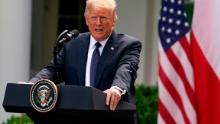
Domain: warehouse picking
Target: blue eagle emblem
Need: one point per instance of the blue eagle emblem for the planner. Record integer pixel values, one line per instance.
(44, 95)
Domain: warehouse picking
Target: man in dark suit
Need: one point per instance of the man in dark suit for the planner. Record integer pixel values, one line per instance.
(100, 58)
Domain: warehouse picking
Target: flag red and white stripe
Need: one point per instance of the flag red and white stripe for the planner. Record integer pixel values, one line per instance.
(176, 86)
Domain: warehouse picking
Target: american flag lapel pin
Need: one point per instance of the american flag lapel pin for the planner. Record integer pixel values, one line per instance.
(112, 48)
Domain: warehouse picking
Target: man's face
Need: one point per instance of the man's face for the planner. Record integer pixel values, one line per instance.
(100, 22)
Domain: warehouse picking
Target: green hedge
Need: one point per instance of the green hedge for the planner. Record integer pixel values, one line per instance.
(146, 107)
(146, 104)
(23, 119)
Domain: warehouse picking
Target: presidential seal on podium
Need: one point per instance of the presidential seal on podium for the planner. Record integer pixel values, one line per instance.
(43, 95)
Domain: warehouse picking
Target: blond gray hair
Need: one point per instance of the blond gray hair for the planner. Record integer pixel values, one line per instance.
(109, 4)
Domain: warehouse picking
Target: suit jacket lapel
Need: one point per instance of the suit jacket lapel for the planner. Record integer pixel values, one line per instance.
(107, 53)
(84, 46)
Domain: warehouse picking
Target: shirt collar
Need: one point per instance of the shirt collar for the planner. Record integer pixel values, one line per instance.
(93, 41)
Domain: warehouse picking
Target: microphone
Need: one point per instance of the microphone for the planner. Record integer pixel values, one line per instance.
(61, 34)
(67, 35)
(63, 37)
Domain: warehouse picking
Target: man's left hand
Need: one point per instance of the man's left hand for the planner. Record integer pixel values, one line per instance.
(113, 97)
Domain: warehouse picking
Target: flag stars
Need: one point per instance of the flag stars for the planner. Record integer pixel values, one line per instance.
(170, 20)
(163, 29)
(179, 2)
(185, 14)
(173, 22)
(163, 19)
(186, 24)
(177, 32)
(171, 10)
(178, 22)
(179, 12)
(172, 1)
(169, 30)
(168, 40)
(164, 8)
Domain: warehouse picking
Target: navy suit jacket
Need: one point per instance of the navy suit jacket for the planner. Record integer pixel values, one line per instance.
(117, 66)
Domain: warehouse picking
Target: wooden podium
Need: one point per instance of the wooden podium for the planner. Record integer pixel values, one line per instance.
(75, 105)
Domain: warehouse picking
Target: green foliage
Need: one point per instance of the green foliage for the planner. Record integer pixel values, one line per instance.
(189, 10)
(147, 104)
(23, 119)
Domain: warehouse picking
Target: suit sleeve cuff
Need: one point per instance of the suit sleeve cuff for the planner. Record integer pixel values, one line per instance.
(122, 92)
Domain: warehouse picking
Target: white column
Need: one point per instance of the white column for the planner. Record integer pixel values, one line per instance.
(139, 18)
(152, 38)
(132, 21)
(15, 33)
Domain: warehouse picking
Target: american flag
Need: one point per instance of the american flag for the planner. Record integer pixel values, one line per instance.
(176, 81)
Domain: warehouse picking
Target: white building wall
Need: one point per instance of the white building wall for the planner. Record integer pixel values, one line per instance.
(15, 32)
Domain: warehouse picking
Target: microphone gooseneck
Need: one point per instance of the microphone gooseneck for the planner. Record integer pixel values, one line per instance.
(68, 35)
